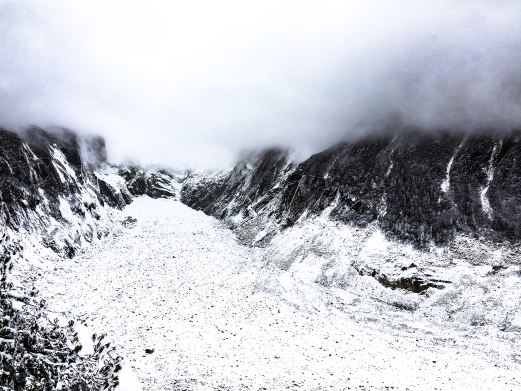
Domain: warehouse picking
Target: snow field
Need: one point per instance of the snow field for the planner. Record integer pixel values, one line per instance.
(219, 315)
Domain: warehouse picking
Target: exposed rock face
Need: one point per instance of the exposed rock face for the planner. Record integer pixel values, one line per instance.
(115, 195)
(46, 185)
(417, 187)
(248, 196)
(245, 188)
(413, 283)
(160, 184)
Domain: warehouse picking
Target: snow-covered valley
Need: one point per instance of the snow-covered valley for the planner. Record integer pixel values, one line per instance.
(191, 308)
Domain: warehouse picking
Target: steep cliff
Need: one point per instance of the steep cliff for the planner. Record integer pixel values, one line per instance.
(51, 185)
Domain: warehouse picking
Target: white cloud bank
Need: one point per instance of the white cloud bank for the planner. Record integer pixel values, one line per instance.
(196, 82)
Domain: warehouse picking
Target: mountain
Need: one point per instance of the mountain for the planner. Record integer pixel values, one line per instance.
(413, 223)
(50, 187)
(417, 187)
(58, 186)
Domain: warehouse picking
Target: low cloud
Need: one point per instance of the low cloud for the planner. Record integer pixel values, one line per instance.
(195, 83)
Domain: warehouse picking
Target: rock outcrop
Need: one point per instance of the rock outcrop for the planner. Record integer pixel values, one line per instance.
(155, 184)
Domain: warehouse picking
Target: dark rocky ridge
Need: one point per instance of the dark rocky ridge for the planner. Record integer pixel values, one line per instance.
(398, 182)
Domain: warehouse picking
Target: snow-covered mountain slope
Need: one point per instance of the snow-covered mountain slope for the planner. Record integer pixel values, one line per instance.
(53, 195)
(215, 314)
(420, 188)
(457, 199)
(58, 187)
(58, 196)
(454, 287)
(53, 188)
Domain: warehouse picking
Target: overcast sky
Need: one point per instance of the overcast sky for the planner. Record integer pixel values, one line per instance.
(194, 83)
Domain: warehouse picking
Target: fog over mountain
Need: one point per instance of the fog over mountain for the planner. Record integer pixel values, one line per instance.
(194, 84)
(260, 195)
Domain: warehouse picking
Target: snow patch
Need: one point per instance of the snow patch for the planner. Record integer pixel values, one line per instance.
(62, 165)
(445, 185)
(485, 203)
